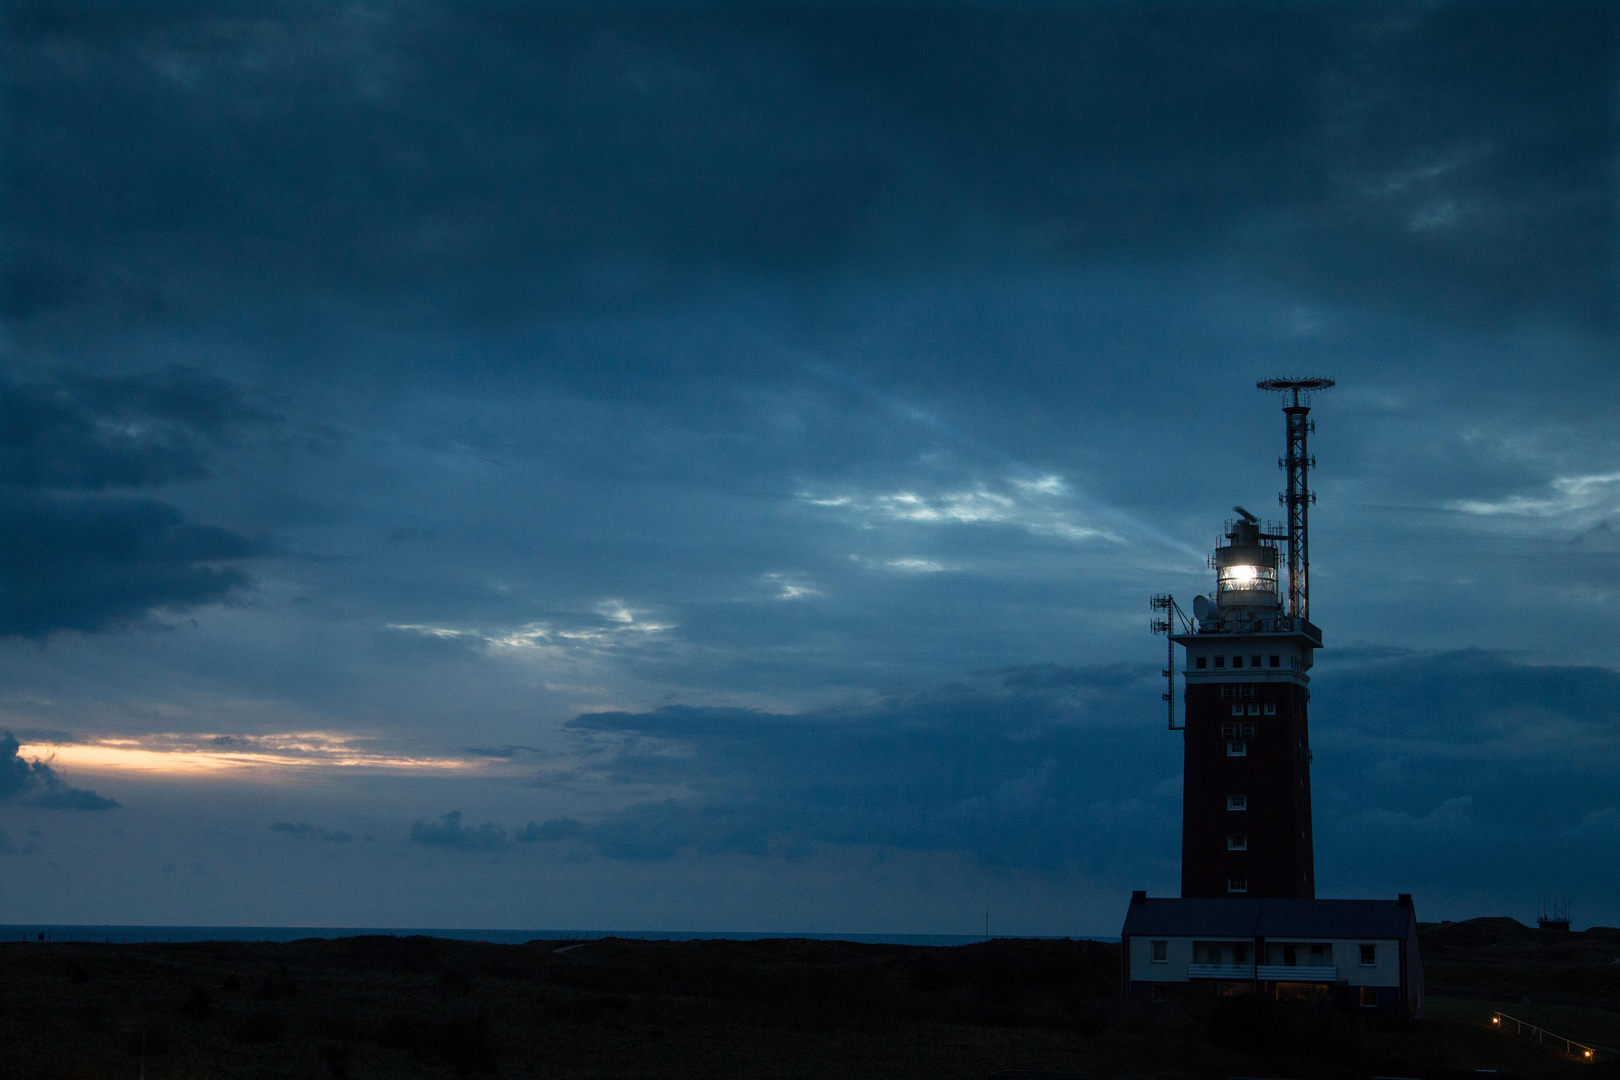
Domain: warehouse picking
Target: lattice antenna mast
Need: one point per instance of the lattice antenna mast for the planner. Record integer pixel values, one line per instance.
(1296, 465)
(1166, 603)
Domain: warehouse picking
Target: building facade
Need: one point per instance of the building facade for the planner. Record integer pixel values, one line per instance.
(1362, 953)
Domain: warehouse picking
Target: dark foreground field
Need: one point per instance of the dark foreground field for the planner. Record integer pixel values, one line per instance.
(386, 1007)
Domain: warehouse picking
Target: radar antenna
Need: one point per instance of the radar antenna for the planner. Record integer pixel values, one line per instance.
(1298, 498)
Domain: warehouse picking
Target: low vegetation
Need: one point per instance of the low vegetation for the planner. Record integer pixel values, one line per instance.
(406, 1007)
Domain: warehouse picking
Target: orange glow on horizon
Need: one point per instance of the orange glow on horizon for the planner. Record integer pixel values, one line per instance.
(202, 755)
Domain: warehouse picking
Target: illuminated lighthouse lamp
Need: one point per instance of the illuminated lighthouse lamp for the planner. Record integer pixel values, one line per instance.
(1245, 575)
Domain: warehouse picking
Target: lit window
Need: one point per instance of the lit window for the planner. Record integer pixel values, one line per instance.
(1161, 952)
(1237, 749)
(1202, 661)
(1369, 956)
(1237, 842)
(1220, 661)
(1276, 661)
(1254, 661)
(1237, 802)
(1237, 661)
(1369, 997)
(1237, 884)
(1271, 708)
(1254, 710)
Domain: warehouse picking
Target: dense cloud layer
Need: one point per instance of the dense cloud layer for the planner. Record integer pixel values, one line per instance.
(1434, 158)
(37, 784)
(71, 555)
(1430, 769)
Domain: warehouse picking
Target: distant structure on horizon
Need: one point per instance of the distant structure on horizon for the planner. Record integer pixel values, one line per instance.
(1248, 919)
(1556, 918)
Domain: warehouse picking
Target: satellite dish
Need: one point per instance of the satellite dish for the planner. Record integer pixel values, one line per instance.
(1205, 609)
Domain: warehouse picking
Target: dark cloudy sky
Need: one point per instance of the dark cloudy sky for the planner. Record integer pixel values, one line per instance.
(696, 466)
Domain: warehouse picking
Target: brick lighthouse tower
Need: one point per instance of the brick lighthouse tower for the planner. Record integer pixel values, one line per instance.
(1246, 794)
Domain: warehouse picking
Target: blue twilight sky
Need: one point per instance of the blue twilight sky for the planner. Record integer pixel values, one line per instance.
(703, 466)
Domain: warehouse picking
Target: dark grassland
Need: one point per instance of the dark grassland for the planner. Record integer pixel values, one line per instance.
(386, 1007)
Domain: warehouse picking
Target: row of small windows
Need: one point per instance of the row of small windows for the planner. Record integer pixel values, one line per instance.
(1237, 661)
(1220, 952)
(1268, 708)
(1235, 952)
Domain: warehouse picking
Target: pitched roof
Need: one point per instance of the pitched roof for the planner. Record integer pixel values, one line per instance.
(1247, 918)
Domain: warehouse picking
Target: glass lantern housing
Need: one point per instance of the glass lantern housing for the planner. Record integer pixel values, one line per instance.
(1246, 568)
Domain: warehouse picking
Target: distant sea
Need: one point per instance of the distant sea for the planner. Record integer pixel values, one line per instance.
(133, 934)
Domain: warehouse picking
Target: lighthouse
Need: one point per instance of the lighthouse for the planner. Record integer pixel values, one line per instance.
(1248, 652)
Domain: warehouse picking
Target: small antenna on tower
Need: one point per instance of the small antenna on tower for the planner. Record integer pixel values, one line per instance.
(1166, 603)
(1298, 498)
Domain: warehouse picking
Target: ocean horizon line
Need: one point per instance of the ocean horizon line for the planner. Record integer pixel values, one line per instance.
(132, 934)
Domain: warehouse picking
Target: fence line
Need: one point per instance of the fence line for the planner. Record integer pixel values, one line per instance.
(1580, 1050)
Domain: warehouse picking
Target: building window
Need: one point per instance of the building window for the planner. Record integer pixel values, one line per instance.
(1220, 661)
(1237, 842)
(1369, 997)
(1225, 953)
(1237, 884)
(1237, 748)
(1254, 710)
(1271, 708)
(1237, 730)
(1369, 956)
(1161, 952)
(1201, 662)
(1254, 661)
(1237, 802)
(1237, 710)
(1276, 661)
(1237, 661)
